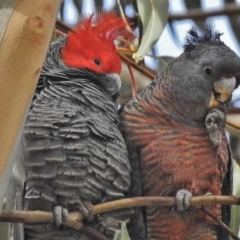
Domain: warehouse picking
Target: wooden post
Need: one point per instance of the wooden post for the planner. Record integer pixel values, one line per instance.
(25, 30)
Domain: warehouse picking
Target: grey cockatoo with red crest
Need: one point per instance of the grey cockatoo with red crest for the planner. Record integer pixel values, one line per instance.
(75, 155)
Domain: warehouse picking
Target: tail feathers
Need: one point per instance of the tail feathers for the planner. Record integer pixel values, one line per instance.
(49, 231)
(137, 226)
(113, 224)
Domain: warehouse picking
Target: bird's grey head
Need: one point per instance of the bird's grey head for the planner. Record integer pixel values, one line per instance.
(205, 74)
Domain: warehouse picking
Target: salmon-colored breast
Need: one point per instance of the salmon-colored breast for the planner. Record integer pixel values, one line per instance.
(175, 156)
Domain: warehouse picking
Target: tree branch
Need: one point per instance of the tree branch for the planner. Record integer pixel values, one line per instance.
(134, 91)
(74, 218)
(229, 9)
(220, 223)
(63, 26)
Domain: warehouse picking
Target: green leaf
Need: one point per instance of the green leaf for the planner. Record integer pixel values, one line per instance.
(163, 62)
(124, 232)
(153, 14)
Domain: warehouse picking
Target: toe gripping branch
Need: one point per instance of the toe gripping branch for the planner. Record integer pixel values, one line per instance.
(61, 214)
(183, 198)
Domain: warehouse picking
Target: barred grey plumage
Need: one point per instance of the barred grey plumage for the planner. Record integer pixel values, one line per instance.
(74, 151)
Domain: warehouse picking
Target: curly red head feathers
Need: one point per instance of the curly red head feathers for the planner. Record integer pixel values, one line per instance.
(92, 44)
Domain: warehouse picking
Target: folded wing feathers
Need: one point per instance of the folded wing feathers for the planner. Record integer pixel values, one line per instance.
(82, 150)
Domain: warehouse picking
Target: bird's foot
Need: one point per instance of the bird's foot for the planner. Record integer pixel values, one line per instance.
(86, 208)
(215, 118)
(183, 197)
(60, 214)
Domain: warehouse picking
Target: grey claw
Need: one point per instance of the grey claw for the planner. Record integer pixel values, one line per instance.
(183, 197)
(64, 214)
(60, 214)
(86, 208)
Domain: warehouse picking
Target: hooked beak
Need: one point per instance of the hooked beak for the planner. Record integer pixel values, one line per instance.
(116, 79)
(222, 91)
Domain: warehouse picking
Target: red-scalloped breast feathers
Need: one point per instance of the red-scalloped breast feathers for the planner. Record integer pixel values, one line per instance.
(92, 44)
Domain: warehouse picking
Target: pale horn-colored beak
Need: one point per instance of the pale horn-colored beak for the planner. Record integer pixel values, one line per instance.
(222, 91)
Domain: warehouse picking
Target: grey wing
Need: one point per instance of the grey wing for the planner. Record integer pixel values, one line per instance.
(71, 141)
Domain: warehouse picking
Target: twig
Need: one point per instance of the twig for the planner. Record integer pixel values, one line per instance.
(136, 66)
(59, 33)
(64, 26)
(134, 91)
(124, 49)
(220, 223)
(123, 17)
(74, 218)
(229, 9)
(122, 40)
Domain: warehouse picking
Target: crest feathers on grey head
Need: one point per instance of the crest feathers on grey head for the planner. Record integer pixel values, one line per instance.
(208, 36)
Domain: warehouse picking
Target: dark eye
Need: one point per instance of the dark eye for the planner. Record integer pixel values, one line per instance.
(208, 71)
(97, 61)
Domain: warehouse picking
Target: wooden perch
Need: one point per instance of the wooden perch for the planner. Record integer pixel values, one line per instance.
(25, 31)
(74, 218)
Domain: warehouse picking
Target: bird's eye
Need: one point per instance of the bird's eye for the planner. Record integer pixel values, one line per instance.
(208, 71)
(97, 61)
